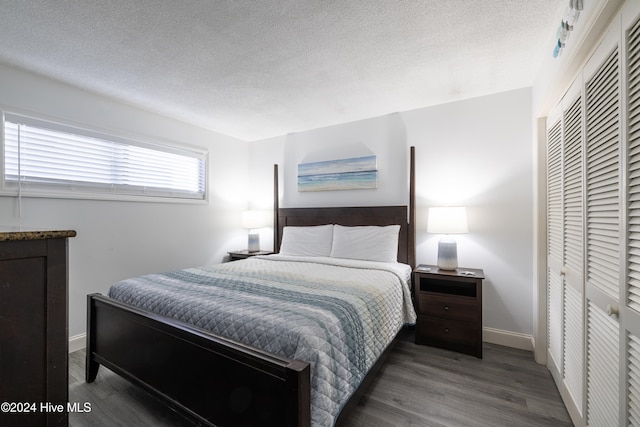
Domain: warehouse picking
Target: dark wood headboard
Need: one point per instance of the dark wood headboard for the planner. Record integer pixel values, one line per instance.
(353, 216)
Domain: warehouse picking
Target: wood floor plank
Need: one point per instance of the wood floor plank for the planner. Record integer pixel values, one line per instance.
(418, 386)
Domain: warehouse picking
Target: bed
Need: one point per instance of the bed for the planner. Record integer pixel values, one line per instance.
(219, 368)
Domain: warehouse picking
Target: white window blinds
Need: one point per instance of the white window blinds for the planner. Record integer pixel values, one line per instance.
(45, 156)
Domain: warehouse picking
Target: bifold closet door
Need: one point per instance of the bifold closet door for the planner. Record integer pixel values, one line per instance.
(565, 248)
(630, 311)
(602, 91)
(593, 233)
(573, 236)
(555, 242)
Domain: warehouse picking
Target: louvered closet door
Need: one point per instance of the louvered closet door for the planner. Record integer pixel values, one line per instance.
(565, 285)
(604, 249)
(565, 247)
(573, 232)
(630, 312)
(554, 238)
(609, 303)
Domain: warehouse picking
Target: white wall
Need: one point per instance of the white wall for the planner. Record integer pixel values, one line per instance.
(121, 239)
(475, 153)
(381, 136)
(384, 137)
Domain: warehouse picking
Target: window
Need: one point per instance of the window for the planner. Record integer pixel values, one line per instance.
(41, 156)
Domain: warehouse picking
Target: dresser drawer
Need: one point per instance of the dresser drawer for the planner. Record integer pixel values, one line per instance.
(458, 336)
(448, 307)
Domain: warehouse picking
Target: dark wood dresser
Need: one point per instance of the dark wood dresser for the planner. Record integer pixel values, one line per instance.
(33, 327)
(449, 308)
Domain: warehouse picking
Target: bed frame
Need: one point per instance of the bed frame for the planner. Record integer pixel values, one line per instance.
(214, 381)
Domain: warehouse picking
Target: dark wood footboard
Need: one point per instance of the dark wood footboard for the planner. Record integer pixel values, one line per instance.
(209, 379)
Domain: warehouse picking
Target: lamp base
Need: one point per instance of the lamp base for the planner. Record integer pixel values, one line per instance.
(254, 242)
(447, 253)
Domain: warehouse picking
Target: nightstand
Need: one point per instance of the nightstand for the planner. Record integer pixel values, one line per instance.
(449, 308)
(244, 253)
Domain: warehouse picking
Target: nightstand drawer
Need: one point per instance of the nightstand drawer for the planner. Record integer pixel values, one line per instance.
(458, 336)
(446, 307)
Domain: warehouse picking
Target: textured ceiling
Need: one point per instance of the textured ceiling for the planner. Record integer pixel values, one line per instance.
(256, 69)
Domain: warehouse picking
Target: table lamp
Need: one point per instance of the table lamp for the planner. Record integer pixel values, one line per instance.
(447, 220)
(252, 220)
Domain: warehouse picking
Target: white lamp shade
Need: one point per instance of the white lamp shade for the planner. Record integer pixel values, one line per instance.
(255, 219)
(447, 220)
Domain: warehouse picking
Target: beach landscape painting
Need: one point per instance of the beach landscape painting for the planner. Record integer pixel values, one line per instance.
(344, 174)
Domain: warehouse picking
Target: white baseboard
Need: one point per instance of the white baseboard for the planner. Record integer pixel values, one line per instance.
(508, 339)
(77, 342)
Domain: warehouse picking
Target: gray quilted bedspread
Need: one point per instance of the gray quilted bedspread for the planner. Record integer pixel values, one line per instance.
(338, 315)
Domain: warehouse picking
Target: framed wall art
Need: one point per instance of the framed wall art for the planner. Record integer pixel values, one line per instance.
(355, 173)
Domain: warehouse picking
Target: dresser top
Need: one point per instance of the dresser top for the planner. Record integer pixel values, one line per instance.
(22, 233)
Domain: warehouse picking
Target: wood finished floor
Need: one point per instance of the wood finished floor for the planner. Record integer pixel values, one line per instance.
(418, 386)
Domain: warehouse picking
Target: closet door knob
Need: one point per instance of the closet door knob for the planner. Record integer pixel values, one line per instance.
(612, 311)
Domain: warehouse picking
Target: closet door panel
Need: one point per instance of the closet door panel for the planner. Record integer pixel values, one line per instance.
(555, 251)
(633, 380)
(630, 295)
(632, 68)
(602, 369)
(602, 118)
(573, 238)
(574, 345)
(603, 232)
(572, 195)
(555, 320)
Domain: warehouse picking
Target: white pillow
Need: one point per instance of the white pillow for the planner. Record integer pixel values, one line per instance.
(307, 241)
(371, 243)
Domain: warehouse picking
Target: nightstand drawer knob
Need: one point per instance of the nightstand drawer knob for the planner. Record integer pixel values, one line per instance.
(446, 308)
(446, 330)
